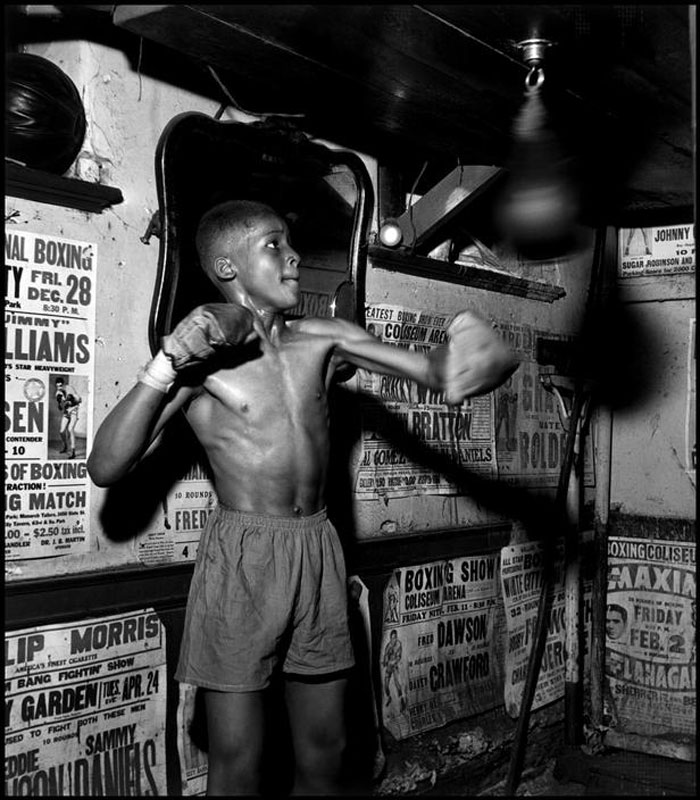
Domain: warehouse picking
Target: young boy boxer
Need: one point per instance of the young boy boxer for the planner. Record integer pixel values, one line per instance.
(269, 584)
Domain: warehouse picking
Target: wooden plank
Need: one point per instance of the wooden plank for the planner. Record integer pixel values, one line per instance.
(444, 201)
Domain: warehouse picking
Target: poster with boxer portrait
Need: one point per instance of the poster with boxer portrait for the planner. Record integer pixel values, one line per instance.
(650, 647)
(441, 646)
(49, 378)
(663, 250)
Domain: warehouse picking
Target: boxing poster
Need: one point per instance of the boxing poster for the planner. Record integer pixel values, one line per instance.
(521, 581)
(665, 250)
(441, 644)
(85, 706)
(691, 453)
(532, 415)
(650, 651)
(173, 534)
(49, 379)
(464, 433)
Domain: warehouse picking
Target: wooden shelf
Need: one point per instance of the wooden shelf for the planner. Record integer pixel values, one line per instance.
(478, 277)
(41, 601)
(44, 187)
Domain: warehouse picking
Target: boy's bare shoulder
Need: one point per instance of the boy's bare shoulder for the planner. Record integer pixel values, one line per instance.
(322, 326)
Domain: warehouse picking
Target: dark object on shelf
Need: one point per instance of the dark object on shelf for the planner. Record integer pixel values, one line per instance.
(44, 115)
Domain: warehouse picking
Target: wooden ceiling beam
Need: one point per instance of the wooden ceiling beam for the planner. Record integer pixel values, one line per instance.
(444, 201)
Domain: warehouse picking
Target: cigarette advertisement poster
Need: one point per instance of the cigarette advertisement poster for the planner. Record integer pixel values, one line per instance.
(49, 379)
(194, 763)
(464, 432)
(531, 418)
(650, 635)
(521, 579)
(173, 535)
(85, 708)
(440, 638)
(665, 250)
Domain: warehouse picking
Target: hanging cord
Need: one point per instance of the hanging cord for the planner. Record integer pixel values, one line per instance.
(468, 35)
(410, 205)
(579, 404)
(233, 102)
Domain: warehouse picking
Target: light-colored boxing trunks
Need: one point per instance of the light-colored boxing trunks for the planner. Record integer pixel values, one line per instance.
(265, 590)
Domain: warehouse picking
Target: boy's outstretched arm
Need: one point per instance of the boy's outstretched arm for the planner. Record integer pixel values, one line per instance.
(473, 361)
(135, 422)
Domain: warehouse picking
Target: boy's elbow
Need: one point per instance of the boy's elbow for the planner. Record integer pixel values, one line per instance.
(100, 473)
(97, 476)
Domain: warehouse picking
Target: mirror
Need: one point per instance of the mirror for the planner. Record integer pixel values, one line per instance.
(325, 195)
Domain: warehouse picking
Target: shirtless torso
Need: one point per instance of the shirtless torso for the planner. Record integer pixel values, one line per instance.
(264, 423)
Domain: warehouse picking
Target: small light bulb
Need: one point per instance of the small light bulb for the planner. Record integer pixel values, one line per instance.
(390, 233)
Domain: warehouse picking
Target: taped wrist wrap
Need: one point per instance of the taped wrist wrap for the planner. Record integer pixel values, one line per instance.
(159, 373)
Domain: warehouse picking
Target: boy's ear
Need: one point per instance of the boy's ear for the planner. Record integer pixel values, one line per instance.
(224, 268)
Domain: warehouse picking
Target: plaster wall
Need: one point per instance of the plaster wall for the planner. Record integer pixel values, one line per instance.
(126, 113)
(650, 469)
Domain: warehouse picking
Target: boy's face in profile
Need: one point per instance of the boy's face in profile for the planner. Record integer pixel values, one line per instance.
(267, 265)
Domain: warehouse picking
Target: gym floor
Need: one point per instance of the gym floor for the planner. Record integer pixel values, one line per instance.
(613, 773)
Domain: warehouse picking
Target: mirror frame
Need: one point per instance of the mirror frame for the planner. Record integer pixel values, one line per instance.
(273, 143)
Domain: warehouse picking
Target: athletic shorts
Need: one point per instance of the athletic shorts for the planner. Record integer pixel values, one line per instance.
(266, 591)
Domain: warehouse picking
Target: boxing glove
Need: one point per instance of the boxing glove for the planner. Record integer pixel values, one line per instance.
(204, 330)
(474, 361)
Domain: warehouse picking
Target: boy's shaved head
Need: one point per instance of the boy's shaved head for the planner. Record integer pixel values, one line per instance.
(223, 223)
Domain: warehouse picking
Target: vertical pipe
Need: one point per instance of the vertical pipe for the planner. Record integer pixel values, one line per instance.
(542, 623)
(603, 460)
(573, 712)
(572, 594)
(603, 467)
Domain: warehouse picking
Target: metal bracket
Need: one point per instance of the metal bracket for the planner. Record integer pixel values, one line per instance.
(153, 229)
